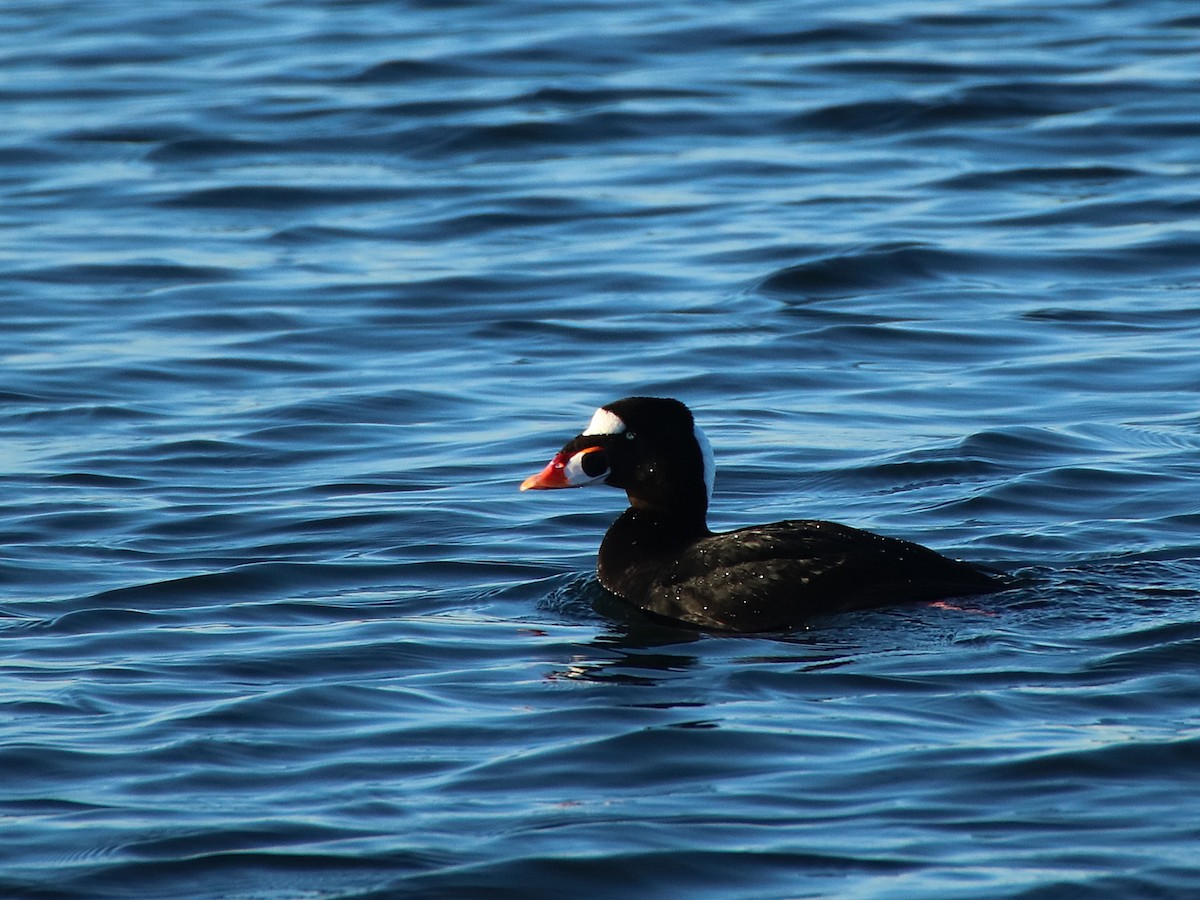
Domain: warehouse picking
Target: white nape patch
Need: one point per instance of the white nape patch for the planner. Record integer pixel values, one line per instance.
(710, 463)
(605, 422)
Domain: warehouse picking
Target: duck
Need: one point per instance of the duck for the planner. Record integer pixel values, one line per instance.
(660, 555)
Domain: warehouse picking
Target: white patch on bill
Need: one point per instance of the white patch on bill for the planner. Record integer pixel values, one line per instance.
(576, 476)
(605, 422)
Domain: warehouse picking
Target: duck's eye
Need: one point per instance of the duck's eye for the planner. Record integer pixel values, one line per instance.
(629, 435)
(594, 463)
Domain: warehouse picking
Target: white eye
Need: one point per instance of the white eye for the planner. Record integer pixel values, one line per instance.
(629, 435)
(605, 422)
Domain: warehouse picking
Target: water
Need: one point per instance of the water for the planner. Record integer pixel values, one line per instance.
(296, 294)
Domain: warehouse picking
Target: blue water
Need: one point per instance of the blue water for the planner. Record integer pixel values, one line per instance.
(294, 296)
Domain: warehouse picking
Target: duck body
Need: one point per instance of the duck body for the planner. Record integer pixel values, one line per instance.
(661, 556)
(773, 576)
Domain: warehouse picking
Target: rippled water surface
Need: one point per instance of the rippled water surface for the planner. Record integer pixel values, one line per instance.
(295, 294)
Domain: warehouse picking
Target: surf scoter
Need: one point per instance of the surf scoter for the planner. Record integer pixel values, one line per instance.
(661, 556)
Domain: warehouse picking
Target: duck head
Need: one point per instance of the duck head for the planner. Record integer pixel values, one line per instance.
(650, 447)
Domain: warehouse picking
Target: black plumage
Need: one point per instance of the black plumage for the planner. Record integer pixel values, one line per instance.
(661, 556)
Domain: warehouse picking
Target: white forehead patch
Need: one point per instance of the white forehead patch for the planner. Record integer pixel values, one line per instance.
(710, 464)
(605, 422)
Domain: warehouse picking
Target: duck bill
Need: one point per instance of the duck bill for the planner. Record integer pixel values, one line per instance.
(552, 477)
(586, 466)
